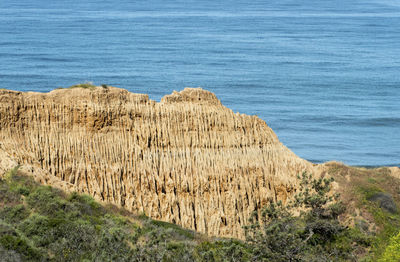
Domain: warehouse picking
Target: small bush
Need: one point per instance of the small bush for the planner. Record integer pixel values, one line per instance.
(228, 250)
(112, 245)
(186, 233)
(36, 228)
(14, 214)
(9, 255)
(85, 85)
(20, 246)
(392, 252)
(316, 235)
(72, 241)
(385, 201)
(45, 200)
(84, 204)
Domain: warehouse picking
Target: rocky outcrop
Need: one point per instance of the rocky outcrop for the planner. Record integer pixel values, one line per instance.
(395, 172)
(187, 159)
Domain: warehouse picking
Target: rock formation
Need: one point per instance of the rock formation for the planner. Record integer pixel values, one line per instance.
(187, 159)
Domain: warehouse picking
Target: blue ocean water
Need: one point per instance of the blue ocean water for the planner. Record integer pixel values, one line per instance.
(324, 75)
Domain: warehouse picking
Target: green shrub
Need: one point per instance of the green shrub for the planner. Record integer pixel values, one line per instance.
(11, 173)
(392, 252)
(388, 222)
(14, 214)
(316, 235)
(85, 205)
(226, 250)
(36, 228)
(112, 245)
(46, 201)
(9, 255)
(19, 246)
(85, 85)
(177, 230)
(72, 241)
(47, 225)
(8, 197)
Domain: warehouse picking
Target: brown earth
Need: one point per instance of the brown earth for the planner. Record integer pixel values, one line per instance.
(187, 159)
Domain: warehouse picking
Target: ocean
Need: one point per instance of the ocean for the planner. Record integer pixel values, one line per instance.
(324, 75)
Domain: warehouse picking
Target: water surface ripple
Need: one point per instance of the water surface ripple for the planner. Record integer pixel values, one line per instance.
(323, 74)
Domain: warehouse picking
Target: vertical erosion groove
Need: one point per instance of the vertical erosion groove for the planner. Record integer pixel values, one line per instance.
(187, 160)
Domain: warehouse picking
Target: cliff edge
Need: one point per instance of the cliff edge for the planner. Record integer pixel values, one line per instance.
(187, 159)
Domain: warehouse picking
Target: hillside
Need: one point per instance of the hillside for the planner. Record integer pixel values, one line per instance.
(187, 160)
(42, 223)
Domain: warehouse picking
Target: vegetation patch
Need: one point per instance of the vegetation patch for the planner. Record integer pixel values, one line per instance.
(385, 201)
(86, 85)
(277, 234)
(40, 223)
(392, 252)
(371, 197)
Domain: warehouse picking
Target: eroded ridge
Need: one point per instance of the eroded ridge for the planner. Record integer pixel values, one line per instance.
(187, 159)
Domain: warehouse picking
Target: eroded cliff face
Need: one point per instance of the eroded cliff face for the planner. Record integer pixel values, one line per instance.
(187, 159)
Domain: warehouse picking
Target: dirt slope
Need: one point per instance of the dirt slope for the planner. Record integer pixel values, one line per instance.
(187, 159)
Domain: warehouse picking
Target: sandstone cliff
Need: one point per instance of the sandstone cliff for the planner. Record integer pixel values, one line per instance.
(187, 159)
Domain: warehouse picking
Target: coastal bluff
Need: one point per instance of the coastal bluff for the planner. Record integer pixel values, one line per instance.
(187, 159)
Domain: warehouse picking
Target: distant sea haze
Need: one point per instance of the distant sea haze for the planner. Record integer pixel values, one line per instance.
(324, 75)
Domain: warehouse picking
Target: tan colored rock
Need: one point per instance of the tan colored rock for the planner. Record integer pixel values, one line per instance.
(6, 163)
(187, 160)
(395, 172)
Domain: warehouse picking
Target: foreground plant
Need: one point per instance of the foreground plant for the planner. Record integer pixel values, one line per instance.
(41, 223)
(277, 234)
